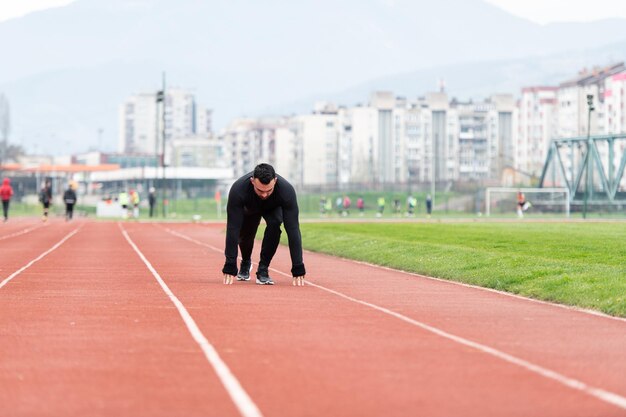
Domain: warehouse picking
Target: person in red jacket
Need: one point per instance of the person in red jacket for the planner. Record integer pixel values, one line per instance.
(6, 192)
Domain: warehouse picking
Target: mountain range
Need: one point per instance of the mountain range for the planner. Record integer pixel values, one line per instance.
(66, 70)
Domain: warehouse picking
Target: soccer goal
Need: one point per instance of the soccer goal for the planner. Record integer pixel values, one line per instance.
(503, 200)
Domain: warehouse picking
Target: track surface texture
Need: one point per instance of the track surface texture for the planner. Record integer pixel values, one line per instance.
(132, 319)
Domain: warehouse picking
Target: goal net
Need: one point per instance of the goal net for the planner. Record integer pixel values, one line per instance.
(504, 201)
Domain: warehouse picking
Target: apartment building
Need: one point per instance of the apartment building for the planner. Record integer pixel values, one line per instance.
(537, 126)
(417, 130)
(574, 119)
(501, 127)
(142, 119)
(363, 128)
(322, 135)
(139, 126)
(482, 145)
(386, 137)
(390, 140)
(614, 103)
(441, 158)
(249, 142)
(547, 113)
(288, 152)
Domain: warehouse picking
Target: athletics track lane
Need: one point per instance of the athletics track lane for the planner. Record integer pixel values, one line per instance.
(312, 356)
(347, 359)
(18, 226)
(86, 331)
(21, 242)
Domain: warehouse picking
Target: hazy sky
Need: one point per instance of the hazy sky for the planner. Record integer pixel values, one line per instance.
(540, 11)
(17, 8)
(546, 11)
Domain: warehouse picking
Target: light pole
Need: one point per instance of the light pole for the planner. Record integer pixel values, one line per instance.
(433, 168)
(160, 98)
(588, 162)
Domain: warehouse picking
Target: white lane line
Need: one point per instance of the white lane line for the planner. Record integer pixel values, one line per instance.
(476, 287)
(28, 265)
(175, 233)
(240, 397)
(603, 395)
(21, 232)
(457, 283)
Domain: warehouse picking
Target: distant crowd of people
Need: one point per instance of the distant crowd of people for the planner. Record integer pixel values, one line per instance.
(343, 204)
(69, 199)
(129, 201)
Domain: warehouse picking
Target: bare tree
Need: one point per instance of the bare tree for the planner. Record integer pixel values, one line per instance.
(13, 153)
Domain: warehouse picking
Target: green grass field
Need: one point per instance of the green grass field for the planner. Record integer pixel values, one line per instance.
(579, 264)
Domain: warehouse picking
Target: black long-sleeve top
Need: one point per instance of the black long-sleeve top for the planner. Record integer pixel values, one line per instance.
(69, 196)
(242, 198)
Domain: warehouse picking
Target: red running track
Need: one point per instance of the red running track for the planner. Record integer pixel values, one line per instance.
(132, 319)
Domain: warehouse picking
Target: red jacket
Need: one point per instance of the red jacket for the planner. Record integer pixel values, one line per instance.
(6, 191)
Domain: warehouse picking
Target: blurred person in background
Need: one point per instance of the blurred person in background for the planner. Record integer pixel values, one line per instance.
(6, 192)
(411, 203)
(360, 204)
(381, 206)
(151, 200)
(346, 205)
(69, 198)
(45, 198)
(123, 201)
(134, 201)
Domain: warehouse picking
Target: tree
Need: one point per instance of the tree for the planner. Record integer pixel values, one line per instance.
(13, 153)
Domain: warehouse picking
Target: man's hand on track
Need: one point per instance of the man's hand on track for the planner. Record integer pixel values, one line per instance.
(298, 281)
(228, 279)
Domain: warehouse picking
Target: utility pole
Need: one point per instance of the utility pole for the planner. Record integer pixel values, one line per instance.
(588, 162)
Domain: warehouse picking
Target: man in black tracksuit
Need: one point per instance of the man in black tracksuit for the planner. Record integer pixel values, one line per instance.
(261, 194)
(69, 198)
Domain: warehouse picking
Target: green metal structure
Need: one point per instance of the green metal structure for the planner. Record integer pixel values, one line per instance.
(592, 168)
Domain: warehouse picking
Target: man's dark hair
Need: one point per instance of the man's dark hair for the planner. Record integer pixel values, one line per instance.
(264, 173)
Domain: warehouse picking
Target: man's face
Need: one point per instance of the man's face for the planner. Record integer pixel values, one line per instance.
(263, 190)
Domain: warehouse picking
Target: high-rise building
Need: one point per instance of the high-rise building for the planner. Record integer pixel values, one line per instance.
(252, 141)
(615, 103)
(320, 135)
(139, 124)
(485, 139)
(440, 148)
(500, 130)
(363, 130)
(288, 151)
(390, 140)
(142, 119)
(573, 110)
(537, 126)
